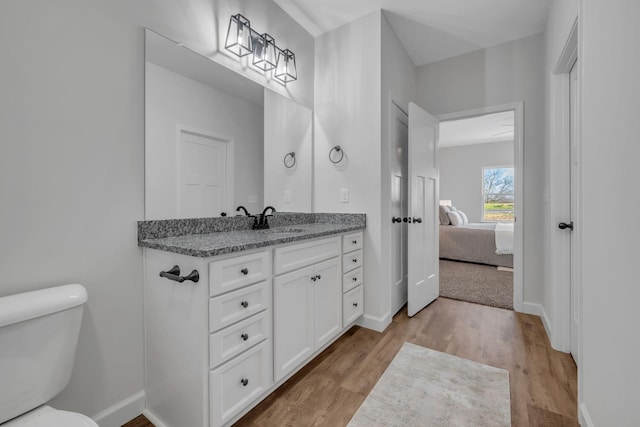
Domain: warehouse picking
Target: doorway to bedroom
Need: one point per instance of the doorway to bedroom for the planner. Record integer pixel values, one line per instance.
(480, 199)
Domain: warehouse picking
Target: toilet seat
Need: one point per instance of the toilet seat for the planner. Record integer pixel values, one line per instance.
(46, 416)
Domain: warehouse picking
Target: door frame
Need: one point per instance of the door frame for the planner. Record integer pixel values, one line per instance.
(518, 154)
(230, 184)
(559, 260)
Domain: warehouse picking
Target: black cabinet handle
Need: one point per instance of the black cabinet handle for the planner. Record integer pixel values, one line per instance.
(355, 242)
(244, 271)
(244, 304)
(418, 220)
(395, 219)
(314, 278)
(174, 274)
(355, 260)
(355, 304)
(405, 219)
(564, 225)
(244, 382)
(319, 277)
(244, 336)
(355, 279)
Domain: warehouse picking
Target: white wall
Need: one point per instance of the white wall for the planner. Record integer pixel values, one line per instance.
(399, 85)
(502, 74)
(610, 152)
(347, 113)
(71, 163)
(173, 100)
(461, 173)
(288, 127)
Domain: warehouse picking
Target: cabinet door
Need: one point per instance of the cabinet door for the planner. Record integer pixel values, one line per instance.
(292, 320)
(328, 301)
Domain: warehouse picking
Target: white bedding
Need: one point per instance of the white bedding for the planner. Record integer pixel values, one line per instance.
(504, 238)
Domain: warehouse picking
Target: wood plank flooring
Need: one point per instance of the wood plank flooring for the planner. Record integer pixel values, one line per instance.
(329, 390)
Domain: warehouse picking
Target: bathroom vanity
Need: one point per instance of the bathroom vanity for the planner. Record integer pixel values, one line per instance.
(265, 303)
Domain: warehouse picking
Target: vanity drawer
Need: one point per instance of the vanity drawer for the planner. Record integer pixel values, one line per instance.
(352, 241)
(352, 260)
(231, 341)
(239, 382)
(352, 279)
(233, 273)
(292, 257)
(352, 305)
(230, 308)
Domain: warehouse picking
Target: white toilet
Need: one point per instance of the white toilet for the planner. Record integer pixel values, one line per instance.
(38, 337)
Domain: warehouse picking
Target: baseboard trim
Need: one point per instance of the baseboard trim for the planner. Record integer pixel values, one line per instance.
(375, 323)
(154, 420)
(531, 308)
(122, 412)
(583, 416)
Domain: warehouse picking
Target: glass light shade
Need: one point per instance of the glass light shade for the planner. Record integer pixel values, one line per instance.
(264, 52)
(239, 40)
(286, 66)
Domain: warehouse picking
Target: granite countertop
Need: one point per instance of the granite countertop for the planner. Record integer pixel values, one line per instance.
(225, 242)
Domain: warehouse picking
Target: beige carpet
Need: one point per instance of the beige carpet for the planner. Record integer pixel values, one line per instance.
(423, 387)
(482, 284)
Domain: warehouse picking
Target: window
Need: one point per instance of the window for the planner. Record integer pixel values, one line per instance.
(497, 194)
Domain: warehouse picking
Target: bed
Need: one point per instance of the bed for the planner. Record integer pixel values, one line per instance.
(473, 242)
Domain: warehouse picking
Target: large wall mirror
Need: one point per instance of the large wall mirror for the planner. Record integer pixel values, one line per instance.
(215, 140)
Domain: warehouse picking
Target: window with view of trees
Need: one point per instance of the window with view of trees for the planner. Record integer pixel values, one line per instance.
(497, 194)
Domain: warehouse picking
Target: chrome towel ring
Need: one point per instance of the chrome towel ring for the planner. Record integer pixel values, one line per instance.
(289, 160)
(338, 156)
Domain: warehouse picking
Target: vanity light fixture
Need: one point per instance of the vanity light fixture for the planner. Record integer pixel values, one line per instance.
(242, 40)
(286, 67)
(264, 52)
(239, 40)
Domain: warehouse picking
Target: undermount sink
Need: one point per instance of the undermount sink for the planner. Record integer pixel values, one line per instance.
(286, 230)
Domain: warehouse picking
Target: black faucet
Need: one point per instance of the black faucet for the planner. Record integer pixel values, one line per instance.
(246, 212)
(264, 223)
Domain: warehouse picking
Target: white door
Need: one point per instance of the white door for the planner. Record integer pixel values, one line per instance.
(327, 293)
(203, 189)
(575, 271)
(423, 268)
(292, 320)
(398, 169)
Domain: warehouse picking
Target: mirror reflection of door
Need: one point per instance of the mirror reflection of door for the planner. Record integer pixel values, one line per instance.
(205, 185)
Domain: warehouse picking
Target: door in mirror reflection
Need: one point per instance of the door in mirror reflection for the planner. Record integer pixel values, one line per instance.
(205, 172)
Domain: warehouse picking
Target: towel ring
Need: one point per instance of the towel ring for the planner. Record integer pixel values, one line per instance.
(289, 160)
(339, 150)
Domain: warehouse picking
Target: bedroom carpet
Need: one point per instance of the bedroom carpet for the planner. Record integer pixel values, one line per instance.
(482, 284)
(424, 387)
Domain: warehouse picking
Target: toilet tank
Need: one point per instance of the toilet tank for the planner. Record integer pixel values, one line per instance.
(38, 338)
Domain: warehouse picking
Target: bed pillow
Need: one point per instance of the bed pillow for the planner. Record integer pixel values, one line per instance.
(455, 218)
(465, 220)
(444, 217)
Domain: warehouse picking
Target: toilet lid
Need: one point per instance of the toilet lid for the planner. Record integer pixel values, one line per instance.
(46, 416)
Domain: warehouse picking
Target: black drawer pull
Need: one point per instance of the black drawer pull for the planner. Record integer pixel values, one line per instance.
(244, 382)
(355, 279)
(319, 277)
(314, 278)
(355, 260)
(244, 271)
(244, 336)
(355, 304)
(174, 274)
(355, 242)
(244, 304)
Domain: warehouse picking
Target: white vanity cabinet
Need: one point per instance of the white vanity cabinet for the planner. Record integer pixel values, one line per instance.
(217, 347)
(307, 302)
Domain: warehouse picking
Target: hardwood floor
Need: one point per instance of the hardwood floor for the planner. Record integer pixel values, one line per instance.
(329, 390)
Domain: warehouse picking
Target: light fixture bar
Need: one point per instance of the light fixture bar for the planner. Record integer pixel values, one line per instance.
(242, 40)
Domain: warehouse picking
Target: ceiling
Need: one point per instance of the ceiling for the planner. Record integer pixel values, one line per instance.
(477, 130)
(430, 30)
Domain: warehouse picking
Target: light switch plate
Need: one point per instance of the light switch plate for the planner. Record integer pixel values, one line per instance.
(344, 195)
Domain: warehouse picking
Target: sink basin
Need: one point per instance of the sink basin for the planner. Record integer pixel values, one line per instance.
(286, 230)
